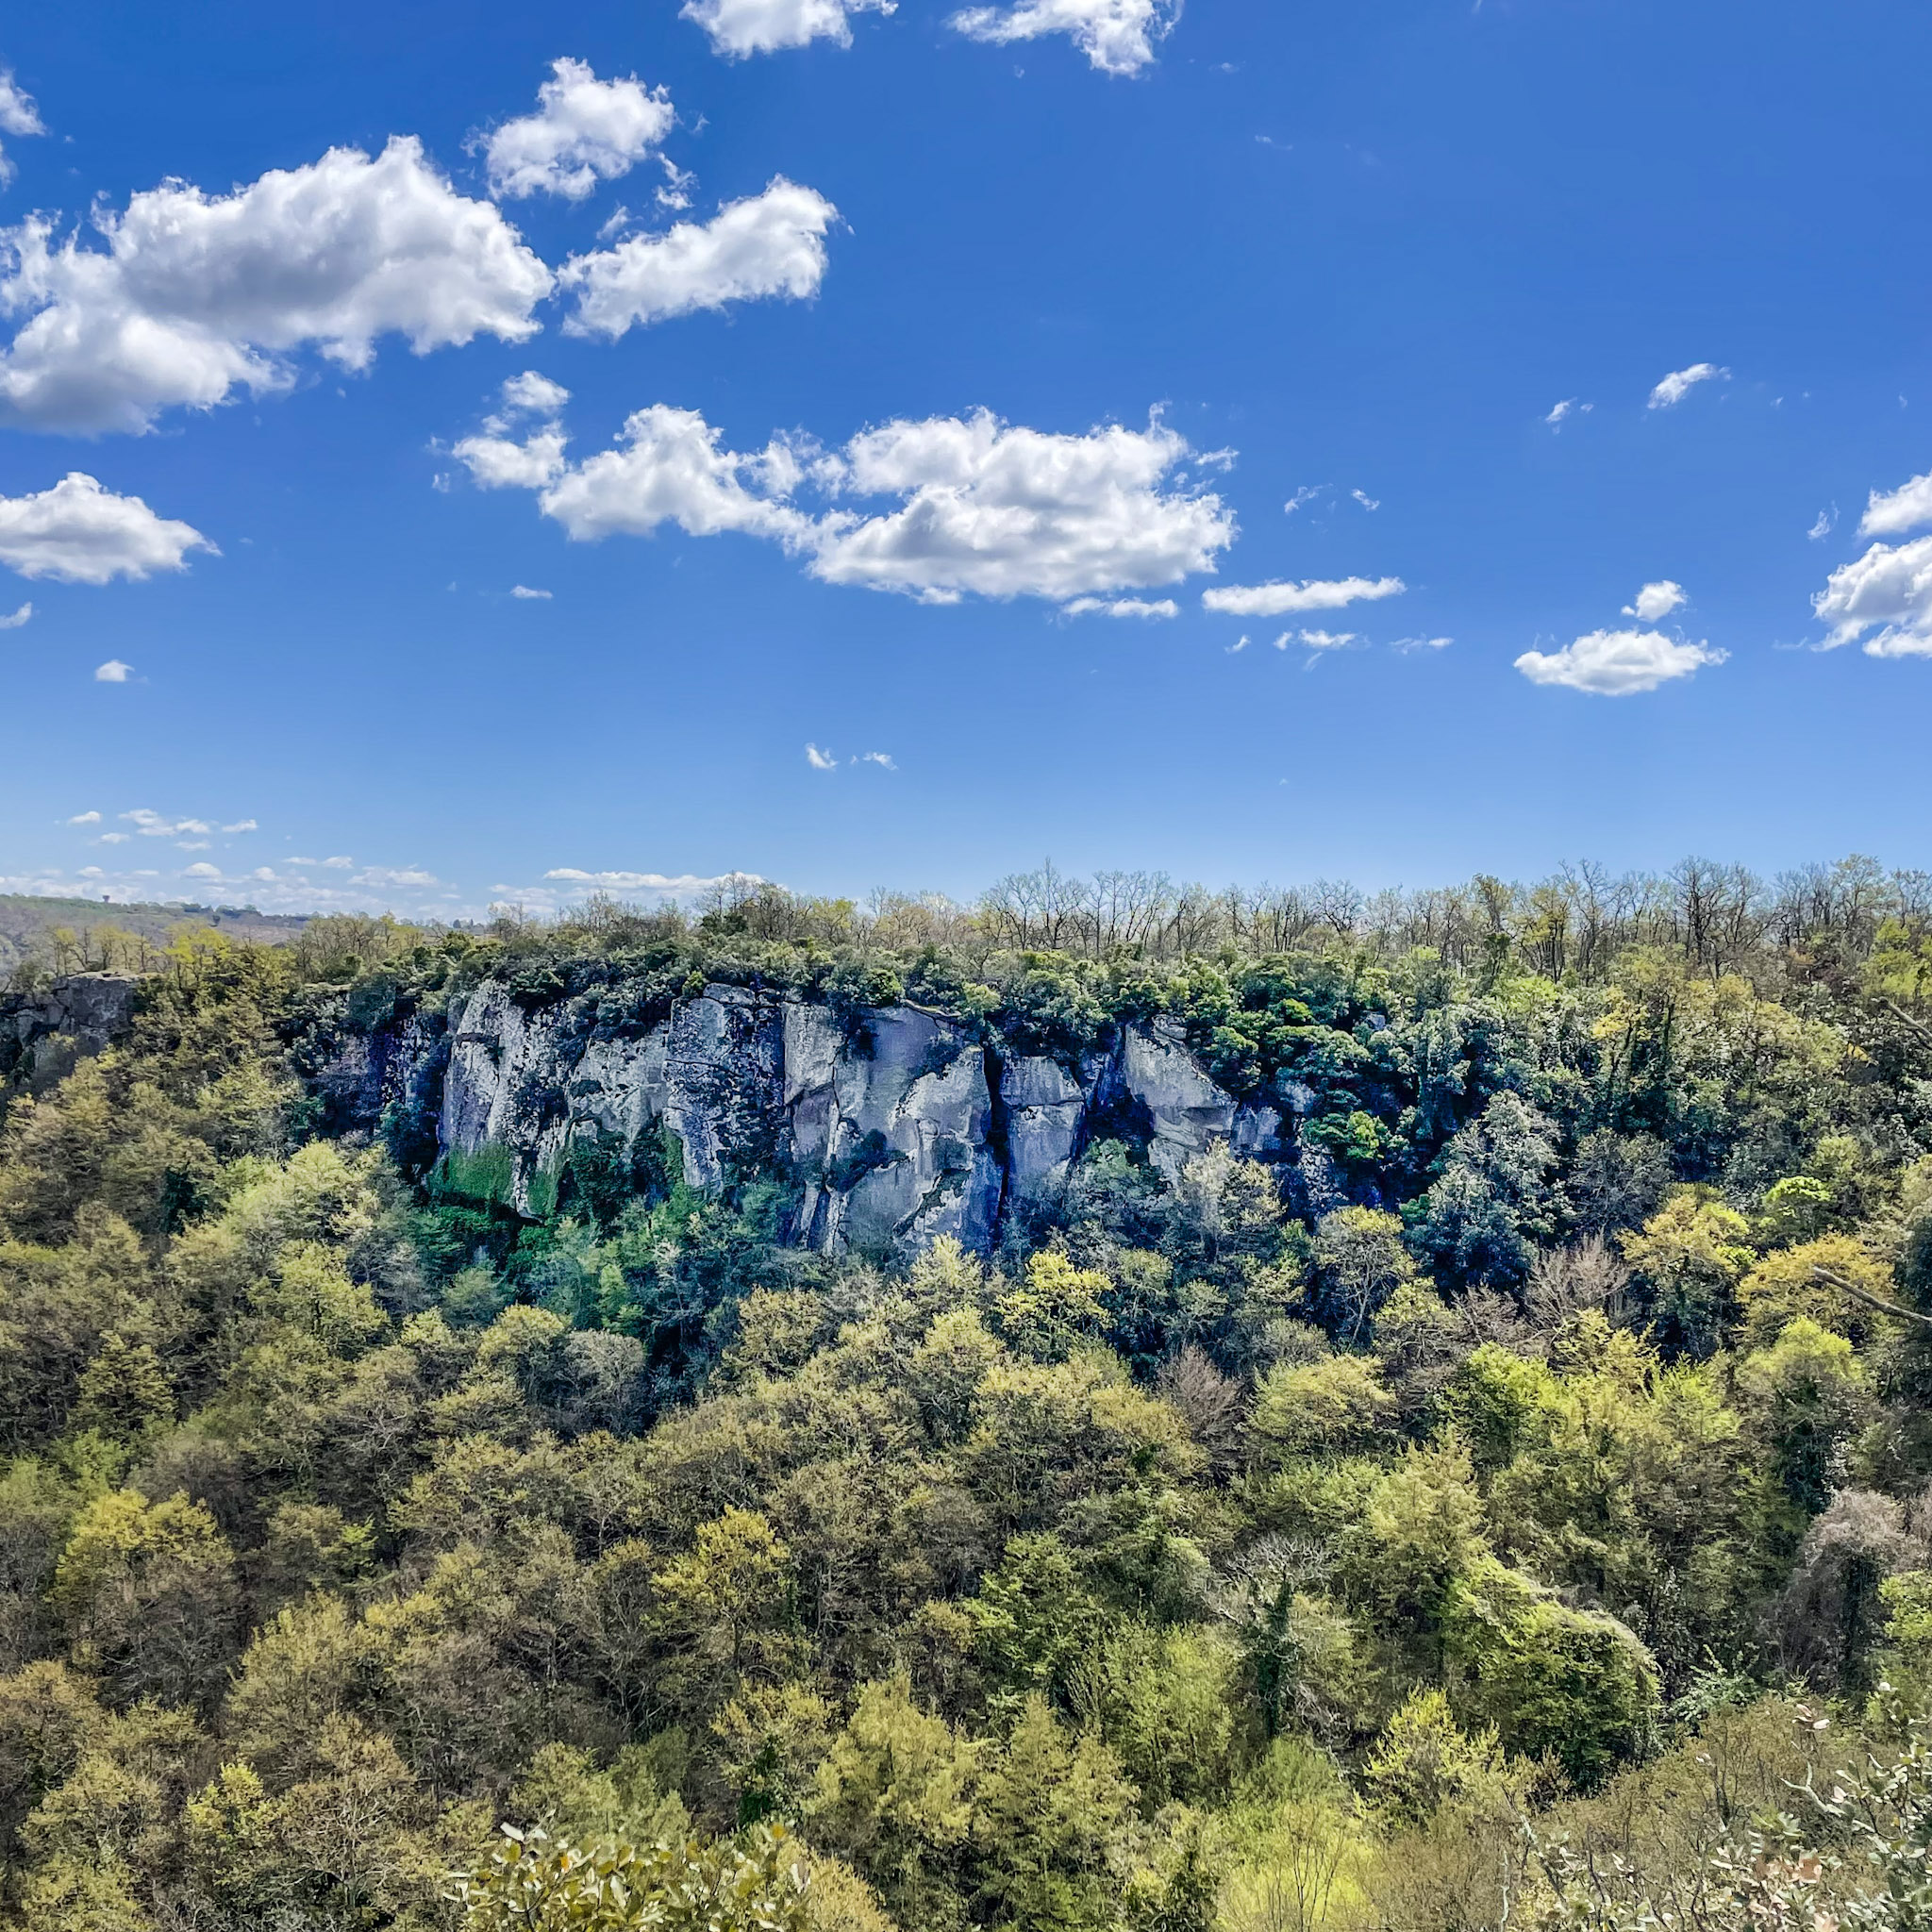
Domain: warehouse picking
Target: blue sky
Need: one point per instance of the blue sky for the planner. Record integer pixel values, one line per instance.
(957, 327)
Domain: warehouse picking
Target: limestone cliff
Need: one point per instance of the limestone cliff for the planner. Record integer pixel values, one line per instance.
(898, 1124)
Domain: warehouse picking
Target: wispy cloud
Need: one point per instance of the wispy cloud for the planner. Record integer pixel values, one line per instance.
(20, 617)
(1276, 599)
(1121, 607)
(1367, 502)
(881, 759)
(524, 592)
(1825, 524)
(1563, 411)
(820, 760)
(1680, 382)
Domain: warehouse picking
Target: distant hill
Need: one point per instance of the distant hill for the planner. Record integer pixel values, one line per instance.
(28, 926)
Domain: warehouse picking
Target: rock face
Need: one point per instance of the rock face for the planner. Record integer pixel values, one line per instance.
(42, 1034)
(899, 1126)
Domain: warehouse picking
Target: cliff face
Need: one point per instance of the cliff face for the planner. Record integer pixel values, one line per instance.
(42, 1034)
(900, 1127)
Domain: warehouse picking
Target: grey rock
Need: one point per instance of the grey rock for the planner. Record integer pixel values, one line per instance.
(42, 1034)
(1047, 1114)
(1189, 1112)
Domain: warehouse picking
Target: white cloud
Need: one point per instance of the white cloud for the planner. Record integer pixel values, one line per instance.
(739, 28)
(820, 760)
(85, 818)
(1655, 601)
(154, 825)
(195, 845)
(767, 244)
(16, 619)
(18, 115)
(1005, 511)
(1615, 663)
(341, 862)
(528, 394)
(1898, 511)
(112, 839)
(1306, 494)
(1889, 587)
(1561, 411)
(1420, 643)
(985, 508)
(670, 469)
(1272, 600)
(1116, 36)
(584, 130)
(1241, 643)
(1318, 639)
(1367, 502)
(527, 594)
(114, 672)
(1825, 524)
(1122, 607)
(195, 296)
(1679, 383)
(882, 758)
(498, 464)
(242, 825)
(80, 533)
(201, 869)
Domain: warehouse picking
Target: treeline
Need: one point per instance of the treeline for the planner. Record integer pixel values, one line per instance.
(1514, 1508)
(1577, 923)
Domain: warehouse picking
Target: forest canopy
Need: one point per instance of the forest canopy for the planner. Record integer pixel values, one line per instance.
(1517, 1504)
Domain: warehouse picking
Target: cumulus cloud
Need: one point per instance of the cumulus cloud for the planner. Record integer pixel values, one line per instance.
(18, 115)
(242, 825)
(1116, 36)
(1680, 382)
(739, 27)
(1894, 512)
(195, 296)
(1655, 601)
(1318, 639)
(1616, 663)
(984, 508)
(85, 818)
(820, 760)
(1007, 511)
(527, 594)
(1122, 607)
(771, 243)
(114, 672)
(528, 394)
(16, 619)
(585, 130)
(1276, 599)
(1888, 590)
(80, 533)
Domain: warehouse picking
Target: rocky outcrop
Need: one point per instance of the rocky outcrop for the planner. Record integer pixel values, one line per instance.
(898, 1124)
(44, 1033)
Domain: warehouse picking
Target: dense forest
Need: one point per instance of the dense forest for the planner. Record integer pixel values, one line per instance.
(1515, 1506)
